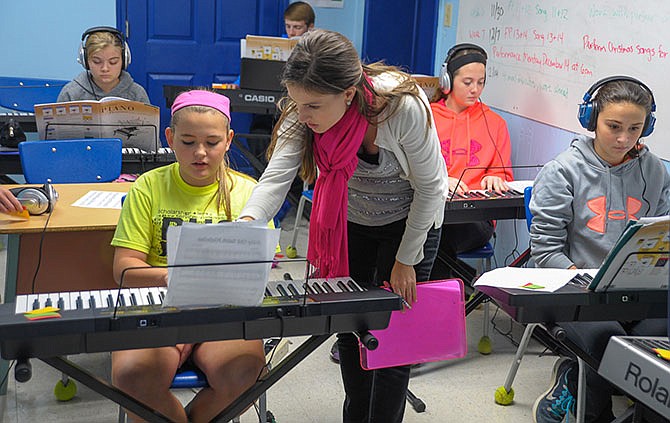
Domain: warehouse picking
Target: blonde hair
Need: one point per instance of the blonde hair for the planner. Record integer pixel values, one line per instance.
(223, 177)
(326, 62)
(101, 39)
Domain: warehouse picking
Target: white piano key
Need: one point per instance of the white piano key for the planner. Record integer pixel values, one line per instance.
(156, 292)
(54, 296)
(73, 299)
(21, 304)
(84, 299)
(136, 295)
(42, 298)
(97, 299)
(102, 293)
(144, 296)
(65, 297)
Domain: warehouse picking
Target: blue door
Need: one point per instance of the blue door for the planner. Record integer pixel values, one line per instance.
(193, 42)
(402, 33)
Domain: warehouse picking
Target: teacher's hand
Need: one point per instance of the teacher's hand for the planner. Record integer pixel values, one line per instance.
(403, 281)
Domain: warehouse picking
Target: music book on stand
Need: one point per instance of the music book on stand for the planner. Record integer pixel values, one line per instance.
(639, 259)
(136, 124)
(432, 330)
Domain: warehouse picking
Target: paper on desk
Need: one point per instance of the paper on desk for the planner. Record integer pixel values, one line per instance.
(216, 251)
(520, 185)
(100, 200)
(534, 279)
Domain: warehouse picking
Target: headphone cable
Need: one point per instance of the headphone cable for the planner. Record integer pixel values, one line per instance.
(39, 250)
(488, 130)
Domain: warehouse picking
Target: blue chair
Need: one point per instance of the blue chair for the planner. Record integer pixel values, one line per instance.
(504, 395)
(71, 161)
(307, 194)
(21, 94)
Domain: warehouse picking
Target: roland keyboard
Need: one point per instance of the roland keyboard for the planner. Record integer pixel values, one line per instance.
(631, 364)
(89, 324)
(480, 205)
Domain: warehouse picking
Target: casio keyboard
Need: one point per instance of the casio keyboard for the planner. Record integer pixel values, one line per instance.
(89, 324)
(631, 364)
(241, 100)
(480, 205)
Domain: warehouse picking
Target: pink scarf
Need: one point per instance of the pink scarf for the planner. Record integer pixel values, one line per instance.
(335, 154)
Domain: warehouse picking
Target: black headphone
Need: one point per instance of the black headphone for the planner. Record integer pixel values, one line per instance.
(588, 110)
(452, 64)
(37, 200)
(82, 56)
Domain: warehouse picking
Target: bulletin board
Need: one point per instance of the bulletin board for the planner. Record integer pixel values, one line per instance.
(544, 55)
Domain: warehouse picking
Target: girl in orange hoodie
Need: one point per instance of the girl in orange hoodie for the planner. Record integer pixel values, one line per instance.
(476, 147)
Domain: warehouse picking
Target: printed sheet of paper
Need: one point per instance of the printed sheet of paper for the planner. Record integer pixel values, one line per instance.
(534, 279)
(222, 264)
(100, 200)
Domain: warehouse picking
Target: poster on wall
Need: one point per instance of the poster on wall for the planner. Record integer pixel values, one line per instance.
(335, 4)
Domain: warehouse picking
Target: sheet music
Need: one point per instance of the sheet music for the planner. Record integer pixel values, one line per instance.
(100, 200)
(534, 279)
(217, 250)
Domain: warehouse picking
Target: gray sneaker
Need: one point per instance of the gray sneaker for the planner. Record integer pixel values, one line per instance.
(557, 401)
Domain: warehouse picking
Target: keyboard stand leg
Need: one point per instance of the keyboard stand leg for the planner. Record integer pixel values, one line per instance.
(11, 272)
(278, 371)
(105, 389)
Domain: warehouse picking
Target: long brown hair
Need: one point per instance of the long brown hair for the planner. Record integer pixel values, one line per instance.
(326, 62)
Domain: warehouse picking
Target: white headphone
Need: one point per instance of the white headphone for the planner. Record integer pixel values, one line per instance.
(82, 58)
(452, 64)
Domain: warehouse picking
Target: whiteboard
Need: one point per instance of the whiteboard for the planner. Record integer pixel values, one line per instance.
(544, 55)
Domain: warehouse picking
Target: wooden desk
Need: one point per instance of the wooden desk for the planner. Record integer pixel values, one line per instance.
(76, 253)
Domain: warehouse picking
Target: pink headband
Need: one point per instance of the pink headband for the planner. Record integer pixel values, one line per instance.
(202, 98)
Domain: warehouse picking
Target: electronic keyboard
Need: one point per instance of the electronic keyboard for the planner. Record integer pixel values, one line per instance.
(480, 205)
(89, 323)
(632, 365)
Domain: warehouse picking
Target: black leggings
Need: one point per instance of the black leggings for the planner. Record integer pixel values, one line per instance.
(376, 395)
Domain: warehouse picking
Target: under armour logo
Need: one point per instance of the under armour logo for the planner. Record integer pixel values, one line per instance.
(475, 147)
(597, 206)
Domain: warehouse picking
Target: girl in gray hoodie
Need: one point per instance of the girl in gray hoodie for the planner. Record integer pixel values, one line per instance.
(581, 203)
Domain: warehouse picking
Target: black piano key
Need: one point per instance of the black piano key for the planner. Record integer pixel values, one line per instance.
(328, 287)
(110, 300)
(61, 303)
(267, 292)
(161, 296)
(293, 289)
(342, 286)
(36, 304)
(48, 303)
(150, 298)
(91, 302)
(281, 290)
(122, 300)
(318, 288)
(79, 303)
(352, 285)
(309, 289)
(133, 299)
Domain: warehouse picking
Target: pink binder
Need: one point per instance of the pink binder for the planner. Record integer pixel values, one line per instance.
(432, 330)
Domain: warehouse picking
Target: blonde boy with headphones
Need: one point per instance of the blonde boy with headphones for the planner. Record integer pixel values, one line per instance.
(105, 56)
